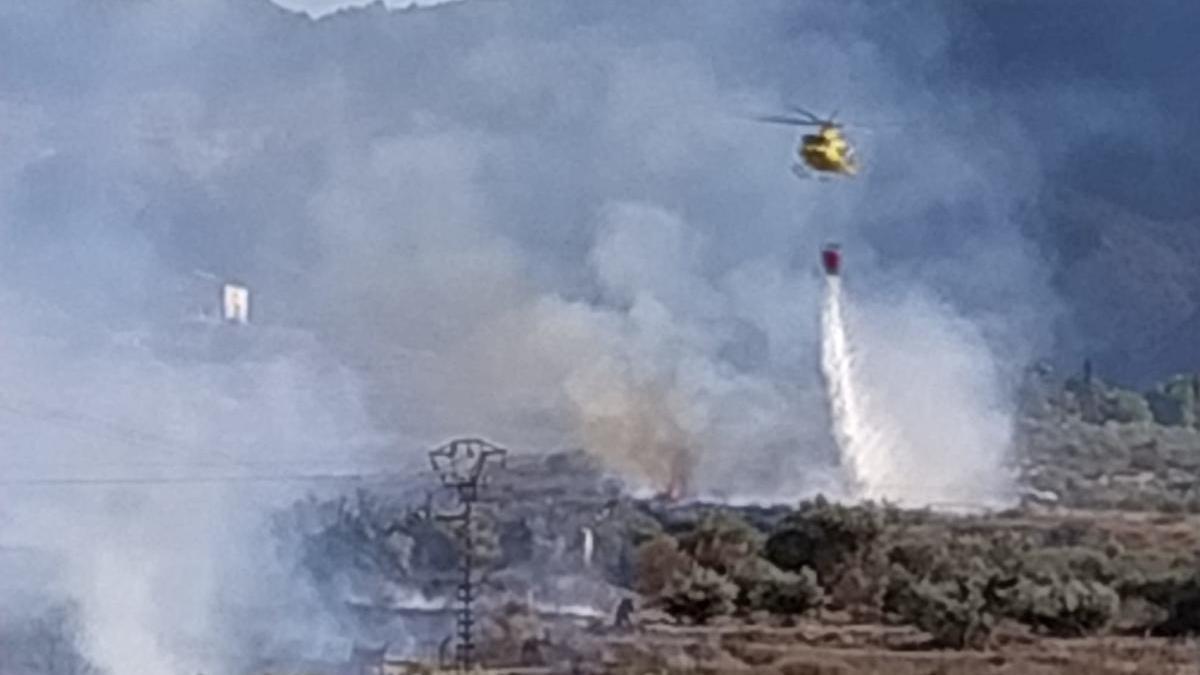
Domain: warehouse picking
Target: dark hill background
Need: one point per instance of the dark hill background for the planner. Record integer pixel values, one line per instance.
(1121, 212)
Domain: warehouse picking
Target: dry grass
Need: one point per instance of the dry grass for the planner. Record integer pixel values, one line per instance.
(855, 650)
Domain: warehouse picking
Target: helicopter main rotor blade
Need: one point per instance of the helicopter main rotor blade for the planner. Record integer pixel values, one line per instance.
(784, 119)
(807, 115)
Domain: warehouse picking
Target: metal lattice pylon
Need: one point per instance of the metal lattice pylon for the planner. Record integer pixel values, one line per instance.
(460, 464)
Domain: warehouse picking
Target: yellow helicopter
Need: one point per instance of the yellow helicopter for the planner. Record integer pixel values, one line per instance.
(827, 151)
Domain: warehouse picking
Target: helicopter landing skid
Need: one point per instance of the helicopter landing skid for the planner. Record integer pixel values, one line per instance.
(804, 174)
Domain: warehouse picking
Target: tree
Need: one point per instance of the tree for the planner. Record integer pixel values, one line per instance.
(722, 542)
(658, 562)
(828, 538)
(763, 586)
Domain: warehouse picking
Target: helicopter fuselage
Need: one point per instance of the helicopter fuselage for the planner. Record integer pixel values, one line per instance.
(827, 151)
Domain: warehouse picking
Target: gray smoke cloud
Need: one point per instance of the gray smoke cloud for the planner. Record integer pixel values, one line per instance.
(544, 222)
(118, 469)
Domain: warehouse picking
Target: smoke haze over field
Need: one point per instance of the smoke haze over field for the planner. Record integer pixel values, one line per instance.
(546, 222)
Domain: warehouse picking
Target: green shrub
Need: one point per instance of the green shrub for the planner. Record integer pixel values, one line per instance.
(949, 554)
(1128, 407)
(1065, 607)
(921, 558)
(1169, 411)
(1077, 562)
(1081, 534)
(1087, 398)
(698, 595)
(955, 613)
(1174, 402)
(764, 587)
(956, 588)
(1176, 594)
(1183, 610)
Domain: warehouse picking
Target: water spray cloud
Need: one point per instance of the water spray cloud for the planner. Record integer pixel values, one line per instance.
(918, 409)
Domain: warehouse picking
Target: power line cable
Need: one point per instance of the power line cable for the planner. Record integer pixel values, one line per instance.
(91, 424)
(78, 481)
